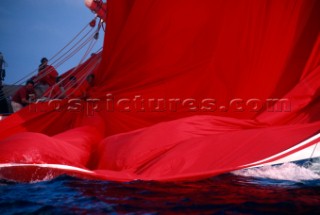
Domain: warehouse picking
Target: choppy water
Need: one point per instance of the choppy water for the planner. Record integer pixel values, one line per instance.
(286, 189)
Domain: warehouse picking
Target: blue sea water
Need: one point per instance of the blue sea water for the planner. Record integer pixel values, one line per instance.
(281, 190)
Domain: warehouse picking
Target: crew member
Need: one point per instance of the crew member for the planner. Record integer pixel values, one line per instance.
(47, 74)
(24, 96)
(45, 78)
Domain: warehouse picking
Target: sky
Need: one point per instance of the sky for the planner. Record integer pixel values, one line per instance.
(32, 29)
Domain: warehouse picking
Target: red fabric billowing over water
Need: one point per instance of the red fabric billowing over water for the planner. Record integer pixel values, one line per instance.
(184, 91)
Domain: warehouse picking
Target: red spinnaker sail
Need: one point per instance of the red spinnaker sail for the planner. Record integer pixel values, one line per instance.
(185, 90)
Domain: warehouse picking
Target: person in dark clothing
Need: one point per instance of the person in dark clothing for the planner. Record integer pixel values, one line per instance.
(4, 107)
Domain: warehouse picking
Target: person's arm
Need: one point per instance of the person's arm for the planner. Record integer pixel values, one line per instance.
(24, 95)
(25, 101)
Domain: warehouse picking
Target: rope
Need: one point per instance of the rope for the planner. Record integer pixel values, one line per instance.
(84, 28)
(80, 45)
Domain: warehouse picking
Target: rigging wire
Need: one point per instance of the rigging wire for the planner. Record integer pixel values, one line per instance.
(82, 30)
(56, 63)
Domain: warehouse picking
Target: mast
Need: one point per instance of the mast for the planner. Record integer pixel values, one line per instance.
(2, 64)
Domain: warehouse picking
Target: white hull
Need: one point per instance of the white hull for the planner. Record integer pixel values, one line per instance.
(304, 151)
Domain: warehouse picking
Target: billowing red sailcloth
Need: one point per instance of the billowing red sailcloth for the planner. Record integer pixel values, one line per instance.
(185, 90)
